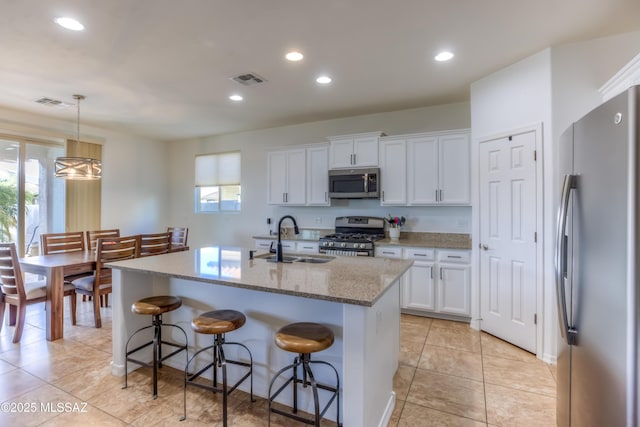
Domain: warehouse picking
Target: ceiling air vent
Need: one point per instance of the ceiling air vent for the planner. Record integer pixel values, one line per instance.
(248, 79)
(52, 102)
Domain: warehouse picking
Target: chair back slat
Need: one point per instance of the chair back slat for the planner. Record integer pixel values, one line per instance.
(11, 281)
(53, 243)
(111, 249)
(94, 235)
(153, 244)
(179, 235)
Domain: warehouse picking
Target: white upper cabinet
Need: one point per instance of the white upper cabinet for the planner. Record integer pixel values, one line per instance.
(317, 176)
(425, 169)
(438, 169)
(286, 172)
(454, 169)
(422, 170)
(348, 151)
(393, 154)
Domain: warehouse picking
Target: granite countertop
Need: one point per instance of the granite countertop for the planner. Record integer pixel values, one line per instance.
(347, 280)
(429, 240)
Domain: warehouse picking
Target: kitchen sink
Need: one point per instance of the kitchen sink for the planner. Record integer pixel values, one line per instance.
(314, 260)
(288, 258)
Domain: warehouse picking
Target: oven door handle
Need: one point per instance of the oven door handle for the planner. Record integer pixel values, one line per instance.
(366, 182)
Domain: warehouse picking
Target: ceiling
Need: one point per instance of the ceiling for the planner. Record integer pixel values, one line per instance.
(162, 68)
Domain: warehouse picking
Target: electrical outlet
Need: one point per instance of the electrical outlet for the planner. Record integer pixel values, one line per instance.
(268, 220)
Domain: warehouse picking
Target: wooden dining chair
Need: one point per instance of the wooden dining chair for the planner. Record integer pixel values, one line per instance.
(179, 237)
(153, 244)
(107, 250)
(54, 243)
(14, 291)
(94, 235)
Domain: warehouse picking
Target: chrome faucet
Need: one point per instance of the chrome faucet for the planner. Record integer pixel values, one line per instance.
(279, 245)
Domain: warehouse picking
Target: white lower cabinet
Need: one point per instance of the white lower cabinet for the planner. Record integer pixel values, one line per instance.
(307, 247)
(438, 282)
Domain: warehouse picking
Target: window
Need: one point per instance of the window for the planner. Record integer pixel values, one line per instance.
(218, 183)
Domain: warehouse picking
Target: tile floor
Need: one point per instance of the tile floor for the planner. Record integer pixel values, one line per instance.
(449, 375)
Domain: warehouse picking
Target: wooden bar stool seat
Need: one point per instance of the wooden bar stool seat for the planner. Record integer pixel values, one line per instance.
(155, 307)
(305, 338)
(218, 323)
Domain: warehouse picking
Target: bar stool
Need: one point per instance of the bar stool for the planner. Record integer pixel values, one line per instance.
(155, 306)
(218, 323)
(305, 338)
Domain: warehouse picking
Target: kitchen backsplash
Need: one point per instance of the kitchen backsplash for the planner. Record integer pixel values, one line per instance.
(437, 219)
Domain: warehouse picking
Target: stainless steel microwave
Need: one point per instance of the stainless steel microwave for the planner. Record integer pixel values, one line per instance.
(354, 183)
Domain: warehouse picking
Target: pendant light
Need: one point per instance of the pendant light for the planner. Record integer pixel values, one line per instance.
(78, 168)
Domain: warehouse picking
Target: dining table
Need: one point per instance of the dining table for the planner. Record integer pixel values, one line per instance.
(55, 267)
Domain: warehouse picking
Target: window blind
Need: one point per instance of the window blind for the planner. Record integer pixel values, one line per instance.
(218, 169)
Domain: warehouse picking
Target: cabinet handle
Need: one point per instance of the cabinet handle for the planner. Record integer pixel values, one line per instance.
(286, 197)
(440, 195)
(419, 254)
(383, 195)
(325, 196)
(354, 159)
(283, 197)
(440, 273)
(436, 195)
(388, 253)
(431, 272)
(454, 256)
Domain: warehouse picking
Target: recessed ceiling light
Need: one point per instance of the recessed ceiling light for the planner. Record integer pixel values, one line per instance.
(443, 56)
(323, 80)
(69, 23)
(236, 98)
(294, 56)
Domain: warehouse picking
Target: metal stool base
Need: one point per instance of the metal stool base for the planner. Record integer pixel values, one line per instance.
(219, 362)
(156, 342)
(304, 360)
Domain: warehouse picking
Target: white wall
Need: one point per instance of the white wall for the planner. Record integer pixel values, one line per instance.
(553, 87)
(134, 183)
(237, 228)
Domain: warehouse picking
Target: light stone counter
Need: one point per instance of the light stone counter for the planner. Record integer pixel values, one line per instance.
(430, 240)
(359, 299)
(349, 280)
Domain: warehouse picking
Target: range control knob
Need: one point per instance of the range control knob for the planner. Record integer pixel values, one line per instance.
(331, 243)
(362, 245)
(355, 245)
(343, 245)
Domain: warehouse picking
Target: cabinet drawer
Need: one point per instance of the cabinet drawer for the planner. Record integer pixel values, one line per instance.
(307, 247)
(264, 244)
(420, 254)
(463, 257)
(288, 246)
(389, 252)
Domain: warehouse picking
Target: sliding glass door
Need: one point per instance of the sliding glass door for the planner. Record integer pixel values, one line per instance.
(32, 201)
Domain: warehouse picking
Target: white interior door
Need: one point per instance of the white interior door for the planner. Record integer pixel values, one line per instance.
(507, 238)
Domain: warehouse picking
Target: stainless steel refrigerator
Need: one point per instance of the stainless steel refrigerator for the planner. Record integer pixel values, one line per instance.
(598, 265)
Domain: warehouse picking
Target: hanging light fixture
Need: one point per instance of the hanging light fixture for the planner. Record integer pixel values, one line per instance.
(78, 168)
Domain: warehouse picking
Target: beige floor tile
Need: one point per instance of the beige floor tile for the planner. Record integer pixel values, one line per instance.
(410, 352)
(451, 324)
(446, 393)
(16, 382)
(452, 362)
(92, 417)
(402, 381)
(533, 376)
(466, 340)
(418, 416)
(492, 346)
(6, 366)
(408, 319)
(554, 372)
(507, 407)
(414, 332)
(91, 383)
(44, 403)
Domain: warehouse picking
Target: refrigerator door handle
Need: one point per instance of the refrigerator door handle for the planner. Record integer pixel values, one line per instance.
(568, 333)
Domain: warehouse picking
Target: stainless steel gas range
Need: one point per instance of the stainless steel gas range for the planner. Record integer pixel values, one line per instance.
(354, 236)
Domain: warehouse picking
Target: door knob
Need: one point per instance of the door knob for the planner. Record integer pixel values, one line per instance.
(485, 247)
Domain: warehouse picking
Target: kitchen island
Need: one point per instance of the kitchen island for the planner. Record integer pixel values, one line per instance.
(358, 298)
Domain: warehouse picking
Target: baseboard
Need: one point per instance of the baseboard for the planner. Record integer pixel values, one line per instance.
(388, 411)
